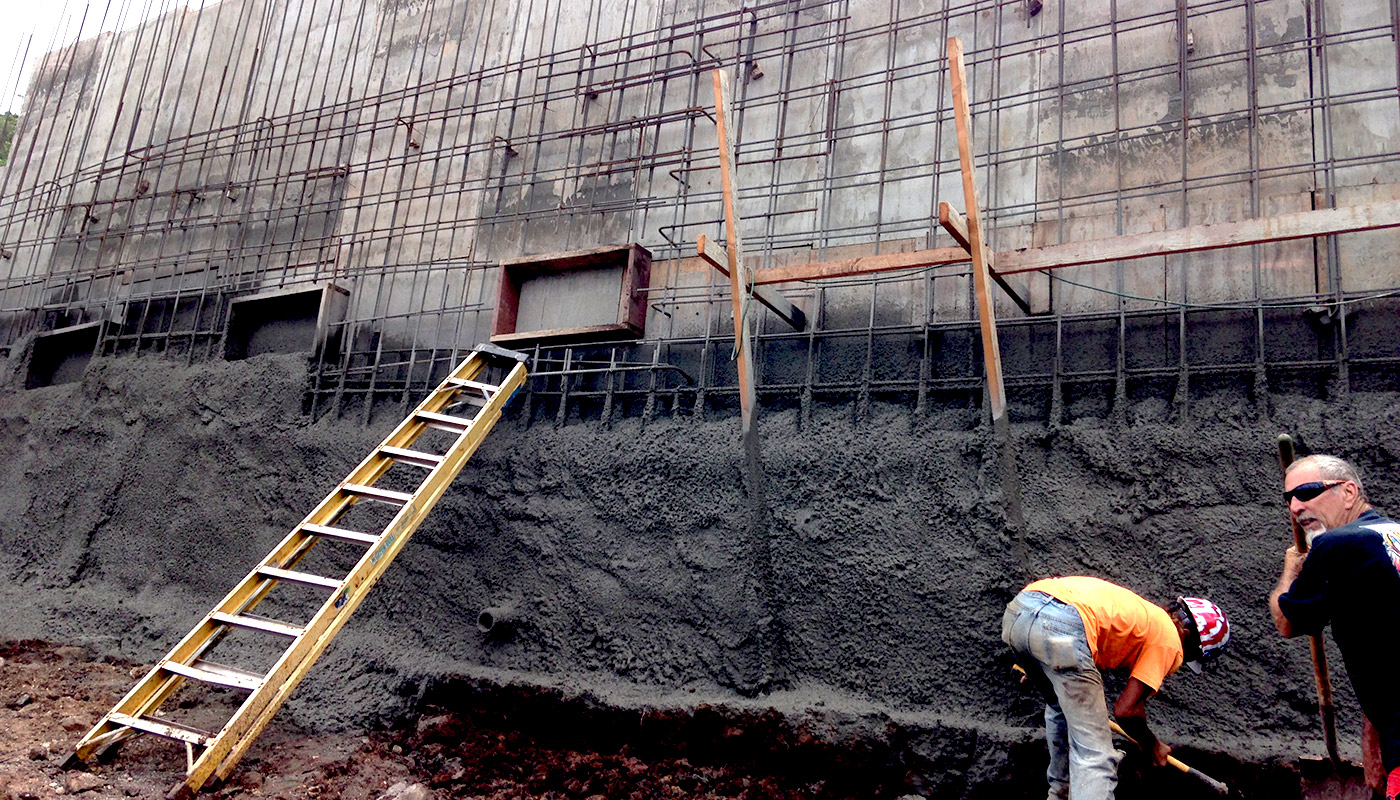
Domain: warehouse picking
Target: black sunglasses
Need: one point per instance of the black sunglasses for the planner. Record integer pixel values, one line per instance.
(1307, 491)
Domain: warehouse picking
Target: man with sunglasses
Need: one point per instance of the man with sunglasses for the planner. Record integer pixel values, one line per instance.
(1350, 578)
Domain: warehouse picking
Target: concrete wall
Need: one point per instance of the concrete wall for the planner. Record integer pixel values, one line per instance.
(406, 146)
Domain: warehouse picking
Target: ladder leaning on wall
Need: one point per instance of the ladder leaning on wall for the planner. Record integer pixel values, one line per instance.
(465, 407)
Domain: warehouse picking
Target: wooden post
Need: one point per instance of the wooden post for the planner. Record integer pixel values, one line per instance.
(758, 669)
(981, 280)
(981, 257)
(739, 278)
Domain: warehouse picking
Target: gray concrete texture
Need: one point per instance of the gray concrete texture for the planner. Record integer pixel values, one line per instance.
(135, 498)
(403, 147)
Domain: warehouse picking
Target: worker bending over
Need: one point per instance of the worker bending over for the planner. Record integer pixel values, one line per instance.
(1064, 630)
(1350, 577)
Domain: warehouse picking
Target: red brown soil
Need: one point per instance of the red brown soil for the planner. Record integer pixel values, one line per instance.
(474, 741)
(496, 746)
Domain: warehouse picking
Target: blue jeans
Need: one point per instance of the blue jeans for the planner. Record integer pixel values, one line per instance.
(1050, 644)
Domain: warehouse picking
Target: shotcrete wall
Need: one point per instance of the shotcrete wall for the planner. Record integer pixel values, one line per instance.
(401, 149)
(133, 499)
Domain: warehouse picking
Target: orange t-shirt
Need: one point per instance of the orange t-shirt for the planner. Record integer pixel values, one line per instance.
(1124, 630)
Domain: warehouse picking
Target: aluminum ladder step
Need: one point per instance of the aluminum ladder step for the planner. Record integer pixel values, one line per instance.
(415, 458)
(303, 578)
(443, 422)
(379, 495)
(256, 623)
(170, 730)
(342, 534)
(220, 674)
(463, 383)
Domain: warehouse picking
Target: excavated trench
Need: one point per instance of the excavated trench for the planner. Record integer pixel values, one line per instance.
(853, 639)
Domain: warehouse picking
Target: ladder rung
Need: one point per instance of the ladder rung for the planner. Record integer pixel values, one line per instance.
(303, 578)
(257, 623)
(382, 495)
(220, 674)
(416, 458)
(341, 533)
(484, 388)
(170, 730)
(444, 422)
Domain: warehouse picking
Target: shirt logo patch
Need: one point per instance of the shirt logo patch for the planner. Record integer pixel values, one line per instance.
(1390, 534)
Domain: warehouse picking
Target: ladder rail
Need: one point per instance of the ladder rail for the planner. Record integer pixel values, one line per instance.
(223, 752)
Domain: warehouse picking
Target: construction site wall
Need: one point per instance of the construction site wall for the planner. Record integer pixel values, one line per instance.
(400, 150)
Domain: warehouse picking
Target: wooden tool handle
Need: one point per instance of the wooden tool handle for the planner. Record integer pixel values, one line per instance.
(1321, 673)
(1285, 457)
(1177, 763)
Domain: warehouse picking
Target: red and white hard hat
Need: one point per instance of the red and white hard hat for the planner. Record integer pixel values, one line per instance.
(1211, 626)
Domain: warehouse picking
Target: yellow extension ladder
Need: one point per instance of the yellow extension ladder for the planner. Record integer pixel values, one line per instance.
(463, 406)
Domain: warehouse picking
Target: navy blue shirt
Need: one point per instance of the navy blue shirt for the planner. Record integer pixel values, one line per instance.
(1352, 580)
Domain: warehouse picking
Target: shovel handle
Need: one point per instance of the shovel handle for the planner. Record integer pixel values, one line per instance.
(1177, 763)
(1321, 674)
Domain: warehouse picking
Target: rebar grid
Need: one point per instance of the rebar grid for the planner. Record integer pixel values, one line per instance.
(404, 148)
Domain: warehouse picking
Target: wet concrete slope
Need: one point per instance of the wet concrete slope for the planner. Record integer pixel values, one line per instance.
(132, 501)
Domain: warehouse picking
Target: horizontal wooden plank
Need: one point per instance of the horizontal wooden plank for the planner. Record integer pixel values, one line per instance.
(1298, 225)
(862, 265)
(786, 311)
(1283, 227)
(574, 259)
(584, 333)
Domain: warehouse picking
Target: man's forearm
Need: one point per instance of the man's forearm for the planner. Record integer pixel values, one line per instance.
(1292, 565)
(1137, 730)
(1285, 628)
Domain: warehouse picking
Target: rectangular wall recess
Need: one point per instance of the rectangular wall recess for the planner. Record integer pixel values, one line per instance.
(302, 319)
(61, 356)
(582, 296)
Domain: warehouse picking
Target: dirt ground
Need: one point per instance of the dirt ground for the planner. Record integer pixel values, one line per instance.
(470, 741)
(52, 694)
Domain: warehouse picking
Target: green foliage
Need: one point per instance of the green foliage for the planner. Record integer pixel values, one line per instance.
(8, 123)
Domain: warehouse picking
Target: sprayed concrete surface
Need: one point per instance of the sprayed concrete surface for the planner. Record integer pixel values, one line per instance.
(133, 500)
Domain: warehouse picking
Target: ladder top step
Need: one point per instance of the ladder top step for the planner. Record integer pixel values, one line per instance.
(382, 495)
(415, 457)
(219, 674)
(341, 533)
(256, 623)
(303, 578)
(170, 730)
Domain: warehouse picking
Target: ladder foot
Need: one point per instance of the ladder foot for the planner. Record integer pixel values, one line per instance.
(181, 791)
(73, 762)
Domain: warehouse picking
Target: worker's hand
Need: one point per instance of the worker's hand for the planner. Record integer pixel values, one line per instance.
(1293, 562)
(1160, 752)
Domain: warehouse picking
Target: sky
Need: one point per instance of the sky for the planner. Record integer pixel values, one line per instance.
(45, 25)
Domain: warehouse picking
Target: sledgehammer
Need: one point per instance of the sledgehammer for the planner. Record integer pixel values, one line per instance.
(1219, 787)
